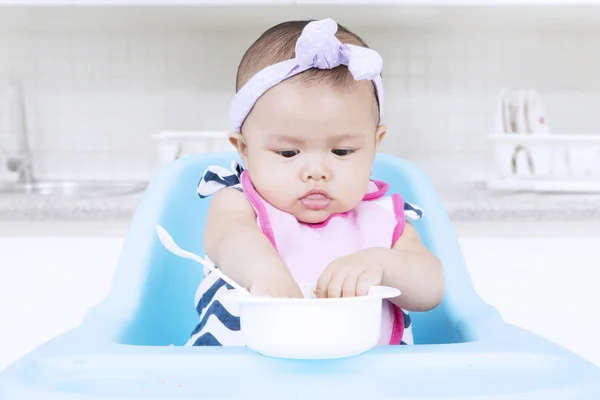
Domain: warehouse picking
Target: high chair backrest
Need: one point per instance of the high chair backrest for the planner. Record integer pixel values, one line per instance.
(152, 298)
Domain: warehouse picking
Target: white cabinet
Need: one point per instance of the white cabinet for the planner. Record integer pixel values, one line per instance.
(423, 3)
(139, 2)
(451, 3)
(177, 2)
(242, 14)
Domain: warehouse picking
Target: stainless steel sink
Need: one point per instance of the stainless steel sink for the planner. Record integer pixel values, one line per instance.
(84, 189)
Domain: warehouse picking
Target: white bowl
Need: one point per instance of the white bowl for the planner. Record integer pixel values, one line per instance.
(311, 328)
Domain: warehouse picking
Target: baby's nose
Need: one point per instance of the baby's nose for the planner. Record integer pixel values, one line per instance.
(315, 177)
(316, 172)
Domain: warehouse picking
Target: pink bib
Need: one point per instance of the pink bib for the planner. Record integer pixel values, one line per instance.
(377, 221)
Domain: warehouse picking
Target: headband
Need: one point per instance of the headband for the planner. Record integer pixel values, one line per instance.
(317, 47)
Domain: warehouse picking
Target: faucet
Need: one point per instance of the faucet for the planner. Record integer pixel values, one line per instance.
(22, 161)
(22, 165)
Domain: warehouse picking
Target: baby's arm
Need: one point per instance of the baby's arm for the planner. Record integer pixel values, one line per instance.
(412, 268)
(234, 242)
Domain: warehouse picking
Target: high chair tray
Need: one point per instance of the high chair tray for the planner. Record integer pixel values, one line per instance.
(535, 369)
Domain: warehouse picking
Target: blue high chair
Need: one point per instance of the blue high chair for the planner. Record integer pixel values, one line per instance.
(463, 350)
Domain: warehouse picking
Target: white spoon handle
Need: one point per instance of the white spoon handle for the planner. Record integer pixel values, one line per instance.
(167, 240)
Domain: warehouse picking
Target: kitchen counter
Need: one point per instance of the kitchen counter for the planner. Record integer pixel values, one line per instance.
(475, 204)
(467, 204)
(23, 207)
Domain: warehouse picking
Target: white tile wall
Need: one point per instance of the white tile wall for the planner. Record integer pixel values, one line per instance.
(93, 99)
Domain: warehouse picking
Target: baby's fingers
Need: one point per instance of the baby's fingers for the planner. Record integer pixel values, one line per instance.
(323, 283)
(336, 284)
(331, 282)
(350, 285)
(364, 283)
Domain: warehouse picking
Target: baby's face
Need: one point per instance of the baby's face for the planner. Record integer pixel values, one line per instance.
(309, 148)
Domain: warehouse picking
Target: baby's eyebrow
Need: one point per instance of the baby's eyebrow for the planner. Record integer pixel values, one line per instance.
(297, 140)
(278, 138)
(349, 139)
(342, 136)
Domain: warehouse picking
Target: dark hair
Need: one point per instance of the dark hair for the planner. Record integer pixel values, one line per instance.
(278, 44)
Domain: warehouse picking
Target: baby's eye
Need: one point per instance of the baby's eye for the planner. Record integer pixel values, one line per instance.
(288, 153)
(342, 152)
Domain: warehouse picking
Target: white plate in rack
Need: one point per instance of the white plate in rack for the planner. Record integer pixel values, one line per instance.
(568, 163)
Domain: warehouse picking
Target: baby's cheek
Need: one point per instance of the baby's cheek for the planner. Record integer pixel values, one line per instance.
(279, 176)
(350, 197)
(278, 192)
(356, 180)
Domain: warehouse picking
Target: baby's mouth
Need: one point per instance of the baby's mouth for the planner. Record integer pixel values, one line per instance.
(316, 200)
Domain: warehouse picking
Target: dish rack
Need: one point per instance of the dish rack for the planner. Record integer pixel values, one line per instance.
(562, 163)
(172, 145)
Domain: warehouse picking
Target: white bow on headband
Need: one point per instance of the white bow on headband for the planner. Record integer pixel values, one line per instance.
(317, 47)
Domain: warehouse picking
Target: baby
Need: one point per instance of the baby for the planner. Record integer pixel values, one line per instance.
(307, 119)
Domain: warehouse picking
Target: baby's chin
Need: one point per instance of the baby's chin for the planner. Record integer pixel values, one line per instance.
(312, 220)
(311, 217)
(315, 217)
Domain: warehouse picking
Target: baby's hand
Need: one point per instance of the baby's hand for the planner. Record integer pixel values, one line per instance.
(276, 285)
(350, 276)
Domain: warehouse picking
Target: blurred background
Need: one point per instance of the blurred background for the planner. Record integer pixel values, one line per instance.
(498, 101)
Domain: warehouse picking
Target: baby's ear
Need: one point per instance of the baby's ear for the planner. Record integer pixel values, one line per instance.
(238, 141)
(380, 134)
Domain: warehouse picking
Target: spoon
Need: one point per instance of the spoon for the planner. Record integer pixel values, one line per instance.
(167, 240)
